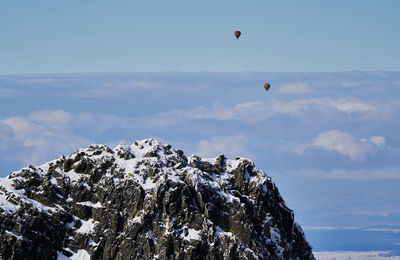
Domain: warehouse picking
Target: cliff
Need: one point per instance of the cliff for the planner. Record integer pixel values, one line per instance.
(145, 201)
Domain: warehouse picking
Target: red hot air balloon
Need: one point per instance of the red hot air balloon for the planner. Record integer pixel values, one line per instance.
(237, 34)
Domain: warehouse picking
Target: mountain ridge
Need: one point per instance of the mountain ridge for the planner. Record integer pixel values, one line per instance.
(146, 200)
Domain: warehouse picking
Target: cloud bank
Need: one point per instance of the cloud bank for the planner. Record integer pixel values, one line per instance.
(347, 144)
(310, 131)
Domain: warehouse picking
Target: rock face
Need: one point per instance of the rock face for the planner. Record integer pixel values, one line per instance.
(145, 201)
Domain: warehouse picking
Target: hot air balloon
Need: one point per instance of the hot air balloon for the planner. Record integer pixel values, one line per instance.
(237, 34)
(267, 86)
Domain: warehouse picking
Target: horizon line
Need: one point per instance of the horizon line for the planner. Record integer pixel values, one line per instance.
(183, 72)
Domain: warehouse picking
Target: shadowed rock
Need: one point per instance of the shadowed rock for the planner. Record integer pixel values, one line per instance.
(146, 201)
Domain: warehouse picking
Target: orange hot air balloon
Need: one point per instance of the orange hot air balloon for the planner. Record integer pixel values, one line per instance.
(237, 34)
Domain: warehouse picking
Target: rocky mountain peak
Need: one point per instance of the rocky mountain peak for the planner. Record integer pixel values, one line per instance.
(145, 201)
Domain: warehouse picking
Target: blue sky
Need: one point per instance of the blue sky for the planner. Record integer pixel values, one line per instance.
(104, 36)
(74, 73)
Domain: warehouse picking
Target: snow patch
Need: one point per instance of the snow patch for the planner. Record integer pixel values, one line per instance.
(90, 204)
(87, 227)
(220, 231)
(193, 234)
(81, 255)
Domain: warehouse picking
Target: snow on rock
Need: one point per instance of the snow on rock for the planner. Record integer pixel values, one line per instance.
(81, 255)
(87, 227)
(90, 204)
(191, 234)
(146, 200)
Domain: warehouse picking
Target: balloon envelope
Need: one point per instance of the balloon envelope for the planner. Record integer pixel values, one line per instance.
(267, 86)
(237, 34)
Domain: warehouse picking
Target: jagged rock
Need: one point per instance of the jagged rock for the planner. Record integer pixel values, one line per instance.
(145, 201)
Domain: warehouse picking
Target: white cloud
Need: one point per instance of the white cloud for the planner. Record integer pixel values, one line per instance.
(121, 89)
(36, 81)
(101, 122)
(255, 111)
(141, 84)
(346, 144)
(249, 112)
(34, 138)
(382, 213)
(330, 228)
(5, 133)
(350, 105)
(294, 88)
(355, 255)
(52, 117)
(20, 126)
(369, 229)
(392, 173)
(391, 230)
(326, 108)
(231, 146)
(294, 108)
(351, 84)
(93, 93)
(41, 135)
(378, 140)
(343, 143)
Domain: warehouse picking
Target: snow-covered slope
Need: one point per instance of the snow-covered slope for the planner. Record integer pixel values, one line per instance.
(148, 201)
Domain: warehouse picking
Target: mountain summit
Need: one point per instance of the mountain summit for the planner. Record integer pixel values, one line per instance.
(145, 201)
